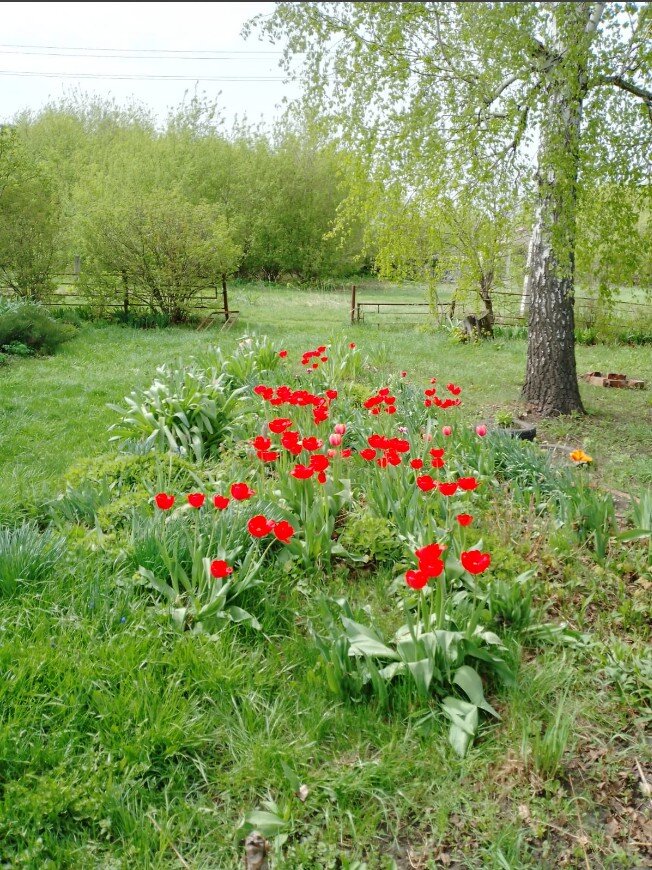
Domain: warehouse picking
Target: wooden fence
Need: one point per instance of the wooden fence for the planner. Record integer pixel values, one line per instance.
(212, 299)
(506, 309)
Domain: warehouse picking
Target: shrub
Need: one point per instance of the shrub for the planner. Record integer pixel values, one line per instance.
(30, 221)
(27, 556)
(27, 325)
(159, 249)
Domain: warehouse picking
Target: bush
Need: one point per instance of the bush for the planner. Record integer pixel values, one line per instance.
(27, 556)
(158, 249)
(28, 326)
(30, 221)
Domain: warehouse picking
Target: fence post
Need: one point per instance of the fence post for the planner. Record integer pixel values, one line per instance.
(225, 299)
(352, 303)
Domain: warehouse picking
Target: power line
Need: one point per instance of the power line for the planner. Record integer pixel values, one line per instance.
(144, 77)
(223, 56)
(188, 51)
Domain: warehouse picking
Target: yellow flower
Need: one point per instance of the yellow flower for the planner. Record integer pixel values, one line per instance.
(580, 456)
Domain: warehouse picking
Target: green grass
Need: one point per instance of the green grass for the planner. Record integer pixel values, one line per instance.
(123, 744)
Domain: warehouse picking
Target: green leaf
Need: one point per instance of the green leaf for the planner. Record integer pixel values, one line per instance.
(422, 672)
(464, 723)
(237, 614)
(364, 641)
(160, 585)
(269, 824)
(469, 681)
(634, 535)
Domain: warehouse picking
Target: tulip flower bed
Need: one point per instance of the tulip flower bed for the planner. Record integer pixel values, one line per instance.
(399, 454)
(310, 596)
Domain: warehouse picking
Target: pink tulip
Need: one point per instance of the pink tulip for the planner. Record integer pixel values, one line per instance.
(335, 440)
(446, 430)
(481, 430)
(331, 453)
(339, 428)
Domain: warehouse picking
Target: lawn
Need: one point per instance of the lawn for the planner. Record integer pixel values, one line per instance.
(124, 743)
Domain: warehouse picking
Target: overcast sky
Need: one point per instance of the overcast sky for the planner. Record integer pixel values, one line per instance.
(193, 41)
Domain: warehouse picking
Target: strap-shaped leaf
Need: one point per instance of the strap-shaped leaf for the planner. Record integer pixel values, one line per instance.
(469, 681)
(422, 672)
(160, 585)
(464, 723)
(364, 641)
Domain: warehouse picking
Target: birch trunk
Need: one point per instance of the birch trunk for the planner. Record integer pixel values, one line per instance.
(551, 386)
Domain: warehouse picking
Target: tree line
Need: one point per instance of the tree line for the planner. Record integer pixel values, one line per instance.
(159, 213)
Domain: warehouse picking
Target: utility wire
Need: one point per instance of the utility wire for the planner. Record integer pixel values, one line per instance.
(144, 77)
(189, 51)
(223, 56)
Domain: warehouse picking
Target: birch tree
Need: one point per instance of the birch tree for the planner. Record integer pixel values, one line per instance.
(560, 90)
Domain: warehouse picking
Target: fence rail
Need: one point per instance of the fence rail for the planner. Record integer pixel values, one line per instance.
(506, 308)
(217, 303)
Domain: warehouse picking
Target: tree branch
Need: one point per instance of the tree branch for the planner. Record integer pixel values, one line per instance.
(624, 85)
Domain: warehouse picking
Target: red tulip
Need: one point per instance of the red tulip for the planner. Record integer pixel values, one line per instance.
(474, 561)
(446, 430)
(368, 453)
(164, 501)
(196, 499)
(332, 394)
(426, 483)
(259, 526)
(282, 353)
(268, 455)
(283, 531)
(321, 477)
(437, 452)
(241, 491)
(311, 443)
(319, 462)
(416, 463)
(448, 488)
(220, 502)
(464, 519)
(433, 568)
(220, 569)
(481, 430)
(467, 483)
(346, 453)
(416, 579)
(351, 345)
(429, 553)
(280, 424)
(455, 390)
(437, 463)
(302, 472)
(261, 443)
